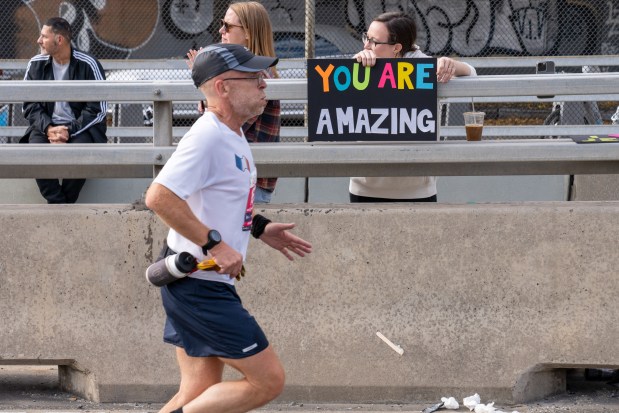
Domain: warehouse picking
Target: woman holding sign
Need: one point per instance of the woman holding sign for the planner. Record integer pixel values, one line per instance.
(393, 35)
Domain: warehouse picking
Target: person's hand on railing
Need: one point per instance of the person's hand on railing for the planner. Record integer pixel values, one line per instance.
(445, 69)
(448, 68)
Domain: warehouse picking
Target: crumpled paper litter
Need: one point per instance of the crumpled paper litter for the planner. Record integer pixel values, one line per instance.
(450, 403)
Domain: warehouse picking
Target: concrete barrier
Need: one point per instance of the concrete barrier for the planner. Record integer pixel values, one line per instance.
(497, 299)
(595, 188)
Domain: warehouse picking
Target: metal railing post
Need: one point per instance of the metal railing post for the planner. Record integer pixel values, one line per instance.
(162, 127)
(310, 52)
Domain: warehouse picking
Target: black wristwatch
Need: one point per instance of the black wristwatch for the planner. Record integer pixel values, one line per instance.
(213, 239)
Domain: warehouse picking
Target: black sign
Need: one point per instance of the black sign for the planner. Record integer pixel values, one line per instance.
(395, 100)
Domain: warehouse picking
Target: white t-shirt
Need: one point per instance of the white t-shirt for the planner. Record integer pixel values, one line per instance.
(397, 187)
(213, 170)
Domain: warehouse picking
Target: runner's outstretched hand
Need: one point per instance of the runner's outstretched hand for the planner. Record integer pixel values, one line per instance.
(277, 236)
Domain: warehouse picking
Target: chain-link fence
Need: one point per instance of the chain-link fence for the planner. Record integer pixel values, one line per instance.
(164, 29)
(154, 29)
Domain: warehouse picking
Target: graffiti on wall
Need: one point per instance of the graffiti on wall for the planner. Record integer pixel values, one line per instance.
(487, 27)
(475, 27)
(186, 19)
(610, 42)
(102, 27)
(167, 28)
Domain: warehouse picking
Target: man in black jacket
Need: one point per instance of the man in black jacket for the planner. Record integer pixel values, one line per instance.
(63, 122)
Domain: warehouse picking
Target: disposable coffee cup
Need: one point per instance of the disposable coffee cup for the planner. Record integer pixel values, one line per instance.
(474, 125)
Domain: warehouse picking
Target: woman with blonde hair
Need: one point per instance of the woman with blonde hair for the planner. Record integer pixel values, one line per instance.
(247, 23)
(256, 33)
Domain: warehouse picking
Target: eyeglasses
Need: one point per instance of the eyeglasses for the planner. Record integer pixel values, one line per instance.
(374, 42)
(227, 26)
(259, 79)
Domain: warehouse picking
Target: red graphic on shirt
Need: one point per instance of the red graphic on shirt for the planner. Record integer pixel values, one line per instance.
(249, 207)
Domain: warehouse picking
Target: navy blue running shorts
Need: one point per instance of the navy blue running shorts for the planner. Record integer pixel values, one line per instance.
(207, 319)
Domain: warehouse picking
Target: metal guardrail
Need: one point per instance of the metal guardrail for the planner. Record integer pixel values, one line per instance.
(583, 84)
(446, 132)
(326, 159)
(525, 157)
(478, 62)
(298, 65)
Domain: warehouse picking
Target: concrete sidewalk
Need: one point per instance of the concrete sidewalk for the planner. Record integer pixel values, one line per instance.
(596, 401)
(564, 405)
(35, 390)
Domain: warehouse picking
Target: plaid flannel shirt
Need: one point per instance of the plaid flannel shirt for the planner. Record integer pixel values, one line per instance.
(265, 128)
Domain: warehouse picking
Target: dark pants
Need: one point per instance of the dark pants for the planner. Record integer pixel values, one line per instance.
(53, 190)
(359, 198)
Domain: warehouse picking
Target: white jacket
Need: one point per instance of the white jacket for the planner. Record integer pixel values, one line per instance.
(400, 187)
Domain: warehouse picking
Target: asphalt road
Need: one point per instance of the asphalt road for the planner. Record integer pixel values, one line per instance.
(35, 390)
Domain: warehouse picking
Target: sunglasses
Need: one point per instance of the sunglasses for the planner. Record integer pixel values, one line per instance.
(227, 26)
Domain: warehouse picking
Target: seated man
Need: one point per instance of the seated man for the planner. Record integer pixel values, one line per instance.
(63, 122)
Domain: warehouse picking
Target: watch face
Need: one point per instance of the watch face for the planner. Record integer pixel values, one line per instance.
(214, 236)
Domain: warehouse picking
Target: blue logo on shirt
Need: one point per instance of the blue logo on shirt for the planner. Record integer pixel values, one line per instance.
(242, 163)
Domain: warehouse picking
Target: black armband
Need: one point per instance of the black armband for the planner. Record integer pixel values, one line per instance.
(258, 224)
